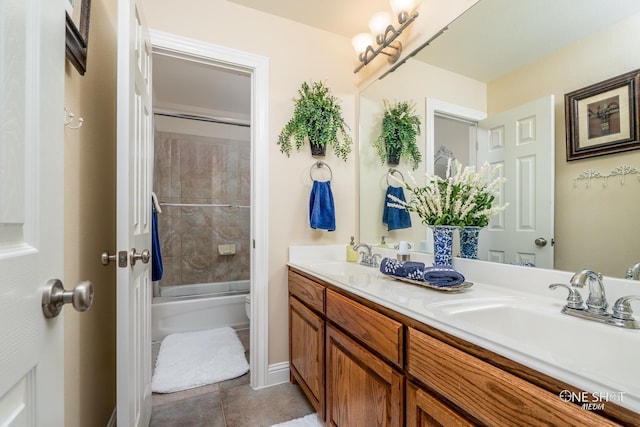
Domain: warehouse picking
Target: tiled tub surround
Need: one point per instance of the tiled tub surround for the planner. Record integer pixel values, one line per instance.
(615, 372)
(192, 169)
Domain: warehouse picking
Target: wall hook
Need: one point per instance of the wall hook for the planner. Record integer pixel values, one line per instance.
(69, 118)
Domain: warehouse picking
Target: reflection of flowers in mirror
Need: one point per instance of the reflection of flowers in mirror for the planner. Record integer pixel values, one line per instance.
(464, 198)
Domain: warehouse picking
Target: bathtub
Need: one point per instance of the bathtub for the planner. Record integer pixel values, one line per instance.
(196, 307)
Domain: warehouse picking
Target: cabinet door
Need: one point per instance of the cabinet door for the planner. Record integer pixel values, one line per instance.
(424, 410)
(362, 390)
(306, 346)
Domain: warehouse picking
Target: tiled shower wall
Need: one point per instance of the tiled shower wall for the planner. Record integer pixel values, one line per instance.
(191, 169)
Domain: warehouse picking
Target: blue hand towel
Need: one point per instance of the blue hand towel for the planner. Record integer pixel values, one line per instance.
(409, 269)
(156, 257)
(395, 218)
(442, 275)
(322, 214)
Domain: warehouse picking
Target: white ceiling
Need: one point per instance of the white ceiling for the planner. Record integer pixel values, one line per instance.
(344, 17)
(496, 37)
(505, 35)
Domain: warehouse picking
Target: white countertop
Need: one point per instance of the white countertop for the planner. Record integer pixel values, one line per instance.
(519, 317)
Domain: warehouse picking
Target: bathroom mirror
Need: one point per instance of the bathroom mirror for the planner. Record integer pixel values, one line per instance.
(499, 55)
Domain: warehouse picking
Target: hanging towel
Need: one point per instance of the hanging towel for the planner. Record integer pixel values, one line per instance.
(442, 275)
(322, 213)
(395, 218)
(156, 256)
(409, 269)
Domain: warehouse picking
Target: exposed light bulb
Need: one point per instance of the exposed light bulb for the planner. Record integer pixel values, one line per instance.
(378, 25)
(361, 41)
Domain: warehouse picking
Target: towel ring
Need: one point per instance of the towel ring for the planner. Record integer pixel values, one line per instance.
(318, 165)
(391, 172)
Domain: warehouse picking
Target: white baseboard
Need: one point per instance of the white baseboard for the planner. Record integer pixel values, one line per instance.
(278, 373)
(112, 420)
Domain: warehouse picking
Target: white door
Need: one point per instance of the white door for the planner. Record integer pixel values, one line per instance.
(31, 212)
(134, 157)
(520, 142)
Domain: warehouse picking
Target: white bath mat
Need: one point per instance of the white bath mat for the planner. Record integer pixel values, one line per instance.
(311, 420)
(194, 359)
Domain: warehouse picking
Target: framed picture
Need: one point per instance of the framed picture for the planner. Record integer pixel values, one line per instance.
(77, 33)
(603, 118)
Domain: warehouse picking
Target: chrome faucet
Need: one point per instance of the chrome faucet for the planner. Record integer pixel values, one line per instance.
(633, 272)
(597, 301)
(622, 313)
(596, 307)
(368, 259)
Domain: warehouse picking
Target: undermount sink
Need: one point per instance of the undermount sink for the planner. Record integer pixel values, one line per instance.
(339, 268)
(540, 330)
(350, 273)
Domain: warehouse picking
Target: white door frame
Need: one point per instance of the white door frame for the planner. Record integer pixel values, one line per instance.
(436, 107)
(258, 67)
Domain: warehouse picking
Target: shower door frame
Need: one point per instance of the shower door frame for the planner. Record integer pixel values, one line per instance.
(258, 67)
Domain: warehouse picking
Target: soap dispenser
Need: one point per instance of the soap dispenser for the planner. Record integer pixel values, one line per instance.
(352, 255)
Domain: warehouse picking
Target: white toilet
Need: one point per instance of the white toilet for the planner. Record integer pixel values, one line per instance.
(247, 305)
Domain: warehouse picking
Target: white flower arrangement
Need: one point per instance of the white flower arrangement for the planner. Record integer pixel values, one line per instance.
(464, 199)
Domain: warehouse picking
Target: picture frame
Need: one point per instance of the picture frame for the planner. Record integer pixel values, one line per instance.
(603, 118)
(77, 33)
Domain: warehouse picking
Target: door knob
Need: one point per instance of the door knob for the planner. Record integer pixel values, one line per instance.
(105, 258)
(54, 297)
(540, 241)
(143, 256)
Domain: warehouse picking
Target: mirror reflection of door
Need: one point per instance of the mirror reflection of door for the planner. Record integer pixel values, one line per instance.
(524, 149)
(454, 140)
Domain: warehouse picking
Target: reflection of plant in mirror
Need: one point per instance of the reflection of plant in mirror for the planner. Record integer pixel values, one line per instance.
(464, 199)
(400, 126)
(318, 117)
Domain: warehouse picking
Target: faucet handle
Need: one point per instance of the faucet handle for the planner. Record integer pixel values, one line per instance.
(622, 309)
(374, 259)
(574, 300)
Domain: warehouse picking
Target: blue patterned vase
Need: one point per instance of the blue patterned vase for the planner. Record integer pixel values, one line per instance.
(442, 243)
(469, 242)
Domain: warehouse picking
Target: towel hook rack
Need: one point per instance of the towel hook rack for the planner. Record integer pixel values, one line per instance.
(391, 172)
(318, 165)
(69, 117)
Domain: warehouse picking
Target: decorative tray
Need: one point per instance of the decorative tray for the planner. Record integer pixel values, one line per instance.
(455, 288)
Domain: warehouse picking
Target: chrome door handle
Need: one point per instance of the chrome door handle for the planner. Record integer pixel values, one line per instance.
(143, 256)
(540, 241)
(55, 297)
(105, 258)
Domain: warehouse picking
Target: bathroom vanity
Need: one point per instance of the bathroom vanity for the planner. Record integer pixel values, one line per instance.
(370, 350)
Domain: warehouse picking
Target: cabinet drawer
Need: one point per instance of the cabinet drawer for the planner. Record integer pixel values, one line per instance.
(486, 392)
(379, 332)
(307, 291)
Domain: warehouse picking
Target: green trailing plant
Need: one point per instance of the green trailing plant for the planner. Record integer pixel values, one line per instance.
(400, 127)
(317, 116)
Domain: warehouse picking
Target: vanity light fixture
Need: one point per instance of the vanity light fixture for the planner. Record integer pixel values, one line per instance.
(384, 34)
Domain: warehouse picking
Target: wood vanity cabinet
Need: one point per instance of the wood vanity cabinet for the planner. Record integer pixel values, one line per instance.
(306, 338)
(363, 349)
(361, 364)
(362, 390)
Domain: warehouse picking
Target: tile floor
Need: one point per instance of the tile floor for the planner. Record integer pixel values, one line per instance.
(231, 403)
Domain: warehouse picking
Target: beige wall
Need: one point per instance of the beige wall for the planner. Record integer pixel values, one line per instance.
(89, 204)
(595, 227)
(296, 53)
